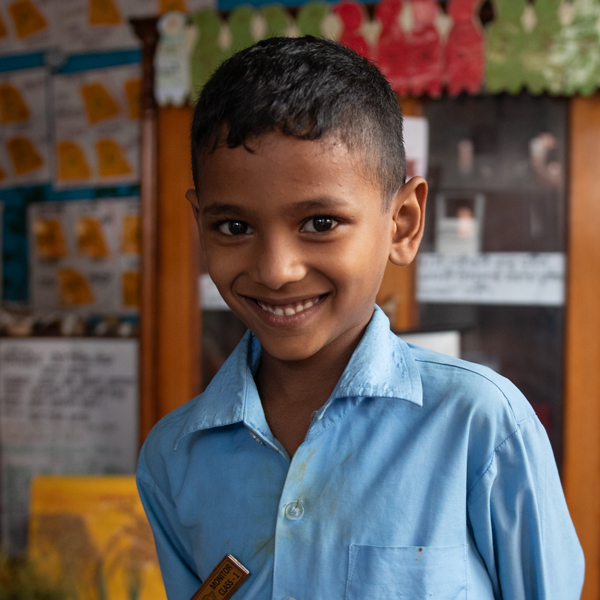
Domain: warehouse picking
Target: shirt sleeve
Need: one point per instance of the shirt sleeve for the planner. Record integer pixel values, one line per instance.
(176, 565)
(520, 521)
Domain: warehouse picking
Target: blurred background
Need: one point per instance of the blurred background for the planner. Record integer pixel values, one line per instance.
(108, 319)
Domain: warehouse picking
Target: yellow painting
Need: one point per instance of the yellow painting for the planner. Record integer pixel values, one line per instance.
(91, 534)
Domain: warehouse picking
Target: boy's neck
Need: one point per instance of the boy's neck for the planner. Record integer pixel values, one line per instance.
(291, 391)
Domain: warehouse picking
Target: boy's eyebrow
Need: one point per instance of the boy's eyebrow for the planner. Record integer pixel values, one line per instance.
(217, 209)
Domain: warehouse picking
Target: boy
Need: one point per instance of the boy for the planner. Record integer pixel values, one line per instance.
(329, 457)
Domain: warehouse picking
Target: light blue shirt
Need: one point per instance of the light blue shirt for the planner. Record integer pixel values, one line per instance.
(421, 477)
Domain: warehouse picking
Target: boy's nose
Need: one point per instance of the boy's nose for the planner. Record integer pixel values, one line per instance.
(277, 263)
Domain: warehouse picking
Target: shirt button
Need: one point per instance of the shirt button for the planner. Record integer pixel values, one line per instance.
(294, 510)
(255, 437)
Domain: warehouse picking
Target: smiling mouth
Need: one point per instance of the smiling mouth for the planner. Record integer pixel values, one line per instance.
(288, 310)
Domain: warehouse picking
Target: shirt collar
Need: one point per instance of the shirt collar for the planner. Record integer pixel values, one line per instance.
(381, 366)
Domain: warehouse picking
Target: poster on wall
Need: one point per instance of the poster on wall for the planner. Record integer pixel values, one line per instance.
(516, 278)
(27, 25)
(24, 156)
(97, 127)
(84, 257)
(66, 406)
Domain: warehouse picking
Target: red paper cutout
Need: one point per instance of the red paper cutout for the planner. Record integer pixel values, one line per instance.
(425, 53)
(464, 50)
(391, 53)
(353, 15)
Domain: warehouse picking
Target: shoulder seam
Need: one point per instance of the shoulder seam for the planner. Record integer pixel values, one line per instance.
(444, 364)
(493, 454)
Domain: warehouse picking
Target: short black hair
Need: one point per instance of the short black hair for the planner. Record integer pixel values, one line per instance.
(308, 88)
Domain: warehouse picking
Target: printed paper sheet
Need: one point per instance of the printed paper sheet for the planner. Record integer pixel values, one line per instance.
(66, 406)
(84, 257)
(97, 127)
(24, 156)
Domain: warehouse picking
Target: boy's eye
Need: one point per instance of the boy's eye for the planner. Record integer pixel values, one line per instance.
(235, 228)
(319, 224)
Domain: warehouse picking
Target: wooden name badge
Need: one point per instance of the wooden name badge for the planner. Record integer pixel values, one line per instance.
(224, 580)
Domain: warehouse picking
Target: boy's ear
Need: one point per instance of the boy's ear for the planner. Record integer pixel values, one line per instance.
(193, 200)
(408, 214)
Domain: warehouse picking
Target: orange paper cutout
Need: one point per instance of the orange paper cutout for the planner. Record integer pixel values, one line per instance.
(131, 288)
(73, 288)
(90, 239)
(111, 159)
(72, 163)
(27, 18)
(49, 239)
(12, 105)
(24, 156)
(103, 12)
(166, 6)
(132, 233)
(99, 104)
(133, 91)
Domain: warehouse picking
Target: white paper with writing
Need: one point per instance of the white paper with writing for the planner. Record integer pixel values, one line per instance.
(492, 278)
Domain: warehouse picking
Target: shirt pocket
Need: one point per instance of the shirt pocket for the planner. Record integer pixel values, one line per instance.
(407, 573)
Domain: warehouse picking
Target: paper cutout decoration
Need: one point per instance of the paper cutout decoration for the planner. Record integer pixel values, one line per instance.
(276, 20)
(73, 287)
(506, 40)
(132, 234)
(310, 18)
(166, 6)
(26, 18)
(353, 17)
(172, 64)
(24, 156)
(99, 104)
(131, 286)
(111, 159)
(207, 54)
(103, 12)
(50, 242)
(133, 92)
(240, 26)
(72, 163)
(90, 239)
(425, 53)
(392, 50)
(13, 107)
(2, 174)
(464, 48)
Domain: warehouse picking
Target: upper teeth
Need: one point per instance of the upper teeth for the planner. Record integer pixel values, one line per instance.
(288, 310)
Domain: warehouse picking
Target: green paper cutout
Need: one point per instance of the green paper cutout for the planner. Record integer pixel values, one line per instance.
(207, 54)
(240, 25)
(310, 17)
(276, 19)
(505, 43)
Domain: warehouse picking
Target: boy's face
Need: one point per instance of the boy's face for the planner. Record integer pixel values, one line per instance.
(296, 240)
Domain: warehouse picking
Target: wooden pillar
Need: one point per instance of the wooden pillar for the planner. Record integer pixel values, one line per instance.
(178, 265)
(582, 394)
(146, 30)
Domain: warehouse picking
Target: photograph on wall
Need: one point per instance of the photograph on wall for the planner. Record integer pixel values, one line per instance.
(84, 257)
(24, 144)
(97, 127)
